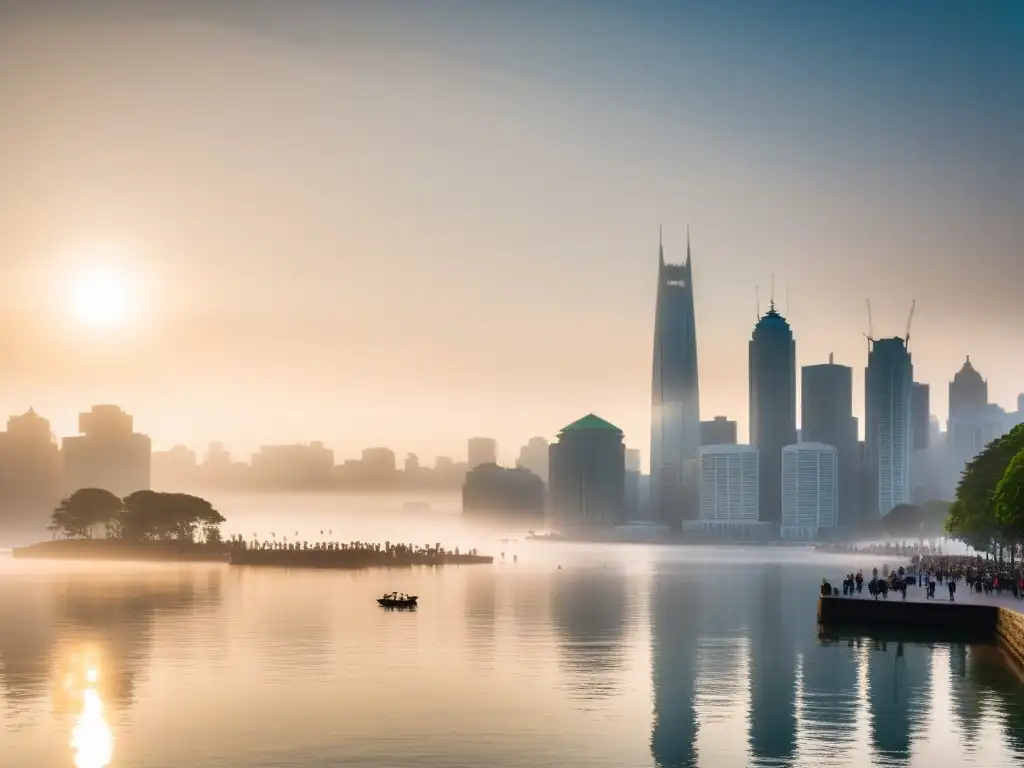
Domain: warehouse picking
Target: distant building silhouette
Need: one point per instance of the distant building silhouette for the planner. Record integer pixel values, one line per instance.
(588, 467)
(176, 469)
(826, 416)
(220, 470)
(482, 450)
(109, 454)
(293, 467)
(968, 391)
(494, 489)
(810, 498)
(772, 405)
(675, 397)
(973, 421)
(719, 431)
(534, 457)
(888, 388)
(29, 470)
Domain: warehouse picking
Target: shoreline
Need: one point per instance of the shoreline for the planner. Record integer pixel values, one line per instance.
(112, 549)
(346, 560)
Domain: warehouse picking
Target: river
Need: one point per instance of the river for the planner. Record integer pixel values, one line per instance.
(627, 655)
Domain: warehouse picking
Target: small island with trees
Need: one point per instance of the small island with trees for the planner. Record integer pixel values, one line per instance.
(150, 526)
(93, 523)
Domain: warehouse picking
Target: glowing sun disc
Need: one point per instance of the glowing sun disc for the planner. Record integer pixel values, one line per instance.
(100, 299)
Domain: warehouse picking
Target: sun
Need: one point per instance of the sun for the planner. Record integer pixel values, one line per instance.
(101, 299)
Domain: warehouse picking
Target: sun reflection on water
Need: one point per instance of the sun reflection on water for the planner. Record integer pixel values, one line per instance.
(91, 739)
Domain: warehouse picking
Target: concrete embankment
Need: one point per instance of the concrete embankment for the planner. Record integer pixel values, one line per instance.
(938, 619)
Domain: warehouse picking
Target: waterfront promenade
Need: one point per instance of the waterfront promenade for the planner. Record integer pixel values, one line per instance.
(978, 616)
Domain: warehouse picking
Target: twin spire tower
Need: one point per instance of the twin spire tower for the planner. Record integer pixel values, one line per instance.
(675, 395)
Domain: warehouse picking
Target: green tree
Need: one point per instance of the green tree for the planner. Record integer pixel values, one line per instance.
(972, 516)
(1009, 497)
(153, 516)
(79, 514)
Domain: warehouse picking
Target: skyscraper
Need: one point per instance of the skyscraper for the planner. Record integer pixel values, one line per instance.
(675, 399)
(772, 406)
(888, 434)
(826, 416)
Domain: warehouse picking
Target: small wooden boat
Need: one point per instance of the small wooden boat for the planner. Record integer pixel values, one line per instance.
(394, 600)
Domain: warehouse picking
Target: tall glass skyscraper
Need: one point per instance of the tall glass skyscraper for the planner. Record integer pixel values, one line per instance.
(675, 398)
(888, 434)
(772, 406)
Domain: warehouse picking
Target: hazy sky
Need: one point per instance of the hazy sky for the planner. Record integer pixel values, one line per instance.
(405, 223)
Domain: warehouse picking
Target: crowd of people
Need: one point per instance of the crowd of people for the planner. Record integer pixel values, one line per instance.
(977, 574)
(889, 548)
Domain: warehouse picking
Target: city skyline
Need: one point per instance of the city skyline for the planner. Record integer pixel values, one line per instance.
(508, 453)
(520, 207)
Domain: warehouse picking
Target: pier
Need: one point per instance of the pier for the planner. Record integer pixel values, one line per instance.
(982, 618)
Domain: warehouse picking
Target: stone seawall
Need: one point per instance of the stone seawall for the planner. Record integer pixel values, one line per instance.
(1010, 629)
(941, 619)
(897, 613)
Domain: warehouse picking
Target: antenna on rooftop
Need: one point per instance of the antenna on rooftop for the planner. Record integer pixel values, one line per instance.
(910, 319)
(757, 298)
(773, 293)
(870, 335)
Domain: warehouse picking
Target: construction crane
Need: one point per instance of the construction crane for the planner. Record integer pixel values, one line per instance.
(910, 319)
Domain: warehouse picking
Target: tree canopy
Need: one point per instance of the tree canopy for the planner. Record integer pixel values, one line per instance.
(79, 514)
(1009, 497)
(141, 516)
(923, 521)
(974, 517)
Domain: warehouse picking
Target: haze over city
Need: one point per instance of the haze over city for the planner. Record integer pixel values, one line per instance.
(392, 225)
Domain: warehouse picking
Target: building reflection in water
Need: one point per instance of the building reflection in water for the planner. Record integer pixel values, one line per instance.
(965, 705)
(675, 606)
(899, 683)
(830, 711)
(773, 712)
(481, 614)
(588, 611)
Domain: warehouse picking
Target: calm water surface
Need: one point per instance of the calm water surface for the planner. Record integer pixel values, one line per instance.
(627, 656)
